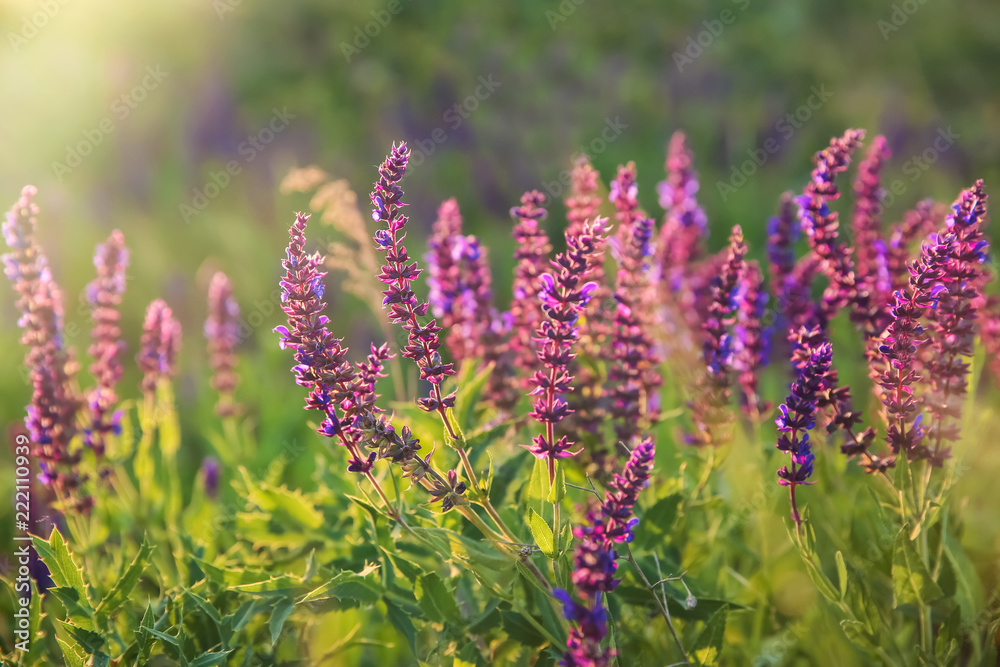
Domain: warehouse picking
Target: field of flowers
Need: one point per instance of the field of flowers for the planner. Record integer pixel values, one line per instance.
(652, 457)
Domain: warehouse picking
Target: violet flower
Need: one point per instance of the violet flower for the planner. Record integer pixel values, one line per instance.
(820, 224)
(710, 409)
(320, 358)
(563, 295)
(685, 227)
(866, 222)
(953, 318)
(51, 412)
(531, 255)
(442, 261)
(104, 295)
(916, 224)
(797, 417)
(398, 274)
(158, 347)
(618, 505)
(582, 202)
(753, 338)
(223, 333)
(210, 477)
(593, 577)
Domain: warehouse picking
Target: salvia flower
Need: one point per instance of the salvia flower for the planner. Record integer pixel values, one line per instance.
(51, 413)
(752, 338)
(926, 217)
(533, 249)
(685, 226)
(104, 295)
(320, 358)
(710, 409)
(563, 294)
(582, 201)
(989, 334)
(797, 416)
(443, 261)
(398, 274)
(593, 577)
(618, 505)
(223, 333)
(821, 225)
(210, 476)
(159, 345)
(953, 318)
(866, 222)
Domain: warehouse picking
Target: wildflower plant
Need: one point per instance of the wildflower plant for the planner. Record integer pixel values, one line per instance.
(492, 478)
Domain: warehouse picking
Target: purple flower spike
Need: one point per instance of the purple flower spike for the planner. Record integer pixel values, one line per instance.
(533, 249)
(619, 503)
(752, 338)
(210, 477)
(796, 418)
(398, 274)
(223, 333)
(866, 223)
(686, 226)
(561, 295)
(159, 345)
(105, 295)
(51, 413)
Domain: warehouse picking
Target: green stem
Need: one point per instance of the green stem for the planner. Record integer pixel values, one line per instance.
(659, 603)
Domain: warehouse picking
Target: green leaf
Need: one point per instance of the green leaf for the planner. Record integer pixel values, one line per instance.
(100, 660)
(63, 569)
(470, 390)
(210, 659)
(73, 659)
(88, 640)
(175, 643)
(204, 606)
(402, 623)
(289, 503)
(143, 639)
(79, 613)
(858, 634)
(911, 582)
(278, 617)
(558, 490)
(708, 646)
(119, 592)
(538, 486)
(542, 533)
(969, 590)
(841, 574)
(436, 600)
(329, 589)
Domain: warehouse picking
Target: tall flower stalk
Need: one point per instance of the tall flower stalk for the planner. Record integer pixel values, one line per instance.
(104, 295)
(158, 347)
(51, 413)
(532, 252)
(223, 335)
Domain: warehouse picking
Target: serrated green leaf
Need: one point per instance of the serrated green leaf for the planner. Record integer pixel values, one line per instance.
(204, 606)
(281, 612)
(120, 591)
(538, 486)
(73, 659)
(542, 533)
(143, 639)
(858, 634)
(79, 614)
(210, 658)
(174, 642)
(86, 639)
(100, 660)
(708, 647)
(911, 582)
(56, 555)
(290, 503)
(434, 597)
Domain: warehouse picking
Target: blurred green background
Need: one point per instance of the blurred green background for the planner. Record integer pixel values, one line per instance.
(121, 113)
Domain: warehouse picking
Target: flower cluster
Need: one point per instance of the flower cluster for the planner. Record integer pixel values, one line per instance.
(797, 416)
(753, 339)
(223, 333)
(595, 560)
(866, 222)
(51, 414)
(563, 295)
(104, 295)
(532, 251)
(159, 345)
(398, 274)
(710, 409)
(685, 226)
(916, 224)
